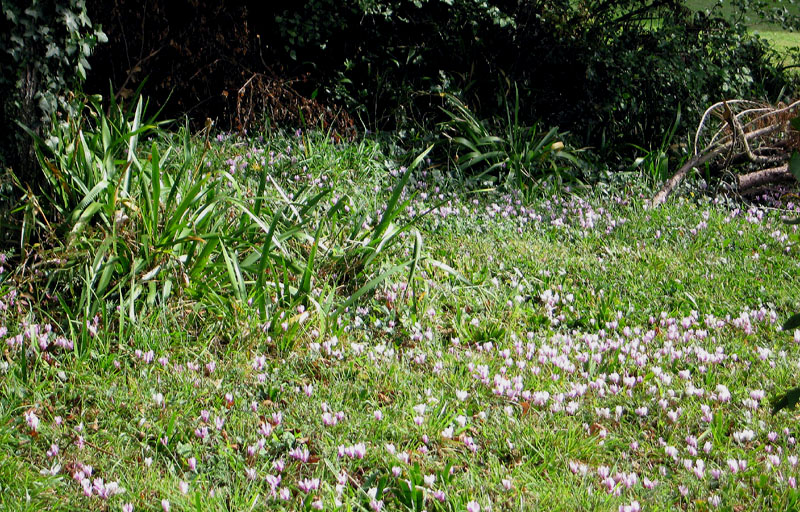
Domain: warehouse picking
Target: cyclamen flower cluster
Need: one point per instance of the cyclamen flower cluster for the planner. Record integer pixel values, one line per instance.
(356, 451)
(300, 453)
(663, 365)
(40, 335)
(94, 487)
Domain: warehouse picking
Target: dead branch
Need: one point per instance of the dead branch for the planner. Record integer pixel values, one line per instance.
(742, 131)
(764, 177)
(706, 155)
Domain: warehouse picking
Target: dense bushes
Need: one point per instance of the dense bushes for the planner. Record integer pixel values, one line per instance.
(637, 74)
(611, 72)
(216, 59)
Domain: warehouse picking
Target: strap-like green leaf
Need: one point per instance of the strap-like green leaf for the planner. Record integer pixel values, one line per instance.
(371, 285)
(390, 213)
(155, 183)
(794, 165)
(84, 218)
(786, 401)
(792, 323)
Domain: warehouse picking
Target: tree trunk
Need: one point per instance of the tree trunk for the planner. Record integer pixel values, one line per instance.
(25, 164)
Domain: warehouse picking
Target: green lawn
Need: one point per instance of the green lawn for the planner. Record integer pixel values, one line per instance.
(780, 39)
(577, 352)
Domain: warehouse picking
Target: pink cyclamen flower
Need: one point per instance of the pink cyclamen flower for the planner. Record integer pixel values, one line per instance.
(699, 469)
(309, 484)
(32, 420)
(165, 505)
(301, 454)
(273, 481)
(473, 506)
(633, 507)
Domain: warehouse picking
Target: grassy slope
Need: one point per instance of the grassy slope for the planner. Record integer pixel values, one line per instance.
(780, 39)
(602, 263)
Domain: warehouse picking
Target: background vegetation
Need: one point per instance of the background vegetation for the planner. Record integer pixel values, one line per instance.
(611, 73)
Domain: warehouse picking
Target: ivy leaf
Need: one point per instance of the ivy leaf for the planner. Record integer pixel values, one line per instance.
(52, 49)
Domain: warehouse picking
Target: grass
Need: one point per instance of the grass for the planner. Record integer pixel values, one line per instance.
(510, 371)
(780, 39)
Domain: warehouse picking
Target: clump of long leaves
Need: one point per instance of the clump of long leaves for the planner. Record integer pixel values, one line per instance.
(131, 227)
(520, 157)
(654, 164)
(789, 399)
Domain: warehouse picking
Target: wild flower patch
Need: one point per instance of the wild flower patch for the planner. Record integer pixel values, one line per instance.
(571, 352)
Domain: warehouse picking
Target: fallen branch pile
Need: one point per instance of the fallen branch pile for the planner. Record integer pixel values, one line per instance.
(741, 131)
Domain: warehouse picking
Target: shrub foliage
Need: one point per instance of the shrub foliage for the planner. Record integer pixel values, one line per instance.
(604, 70)
(611, 72)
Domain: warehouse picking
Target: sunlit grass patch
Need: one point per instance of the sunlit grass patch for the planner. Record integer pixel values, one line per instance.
(573, 351)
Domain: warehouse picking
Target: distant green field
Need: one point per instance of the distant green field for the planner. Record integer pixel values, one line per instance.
(780, 39)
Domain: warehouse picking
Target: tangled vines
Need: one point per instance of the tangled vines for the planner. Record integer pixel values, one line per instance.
(274, 97)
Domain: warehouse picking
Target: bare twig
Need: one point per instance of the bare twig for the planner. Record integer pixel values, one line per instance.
(709, 111)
